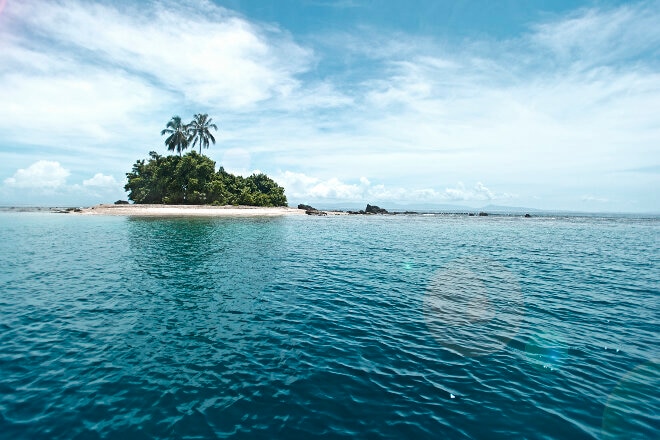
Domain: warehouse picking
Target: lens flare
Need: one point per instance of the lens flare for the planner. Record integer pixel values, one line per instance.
(546, 351)
(473, 306)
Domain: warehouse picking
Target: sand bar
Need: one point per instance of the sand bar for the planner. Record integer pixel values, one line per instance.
(189, 210)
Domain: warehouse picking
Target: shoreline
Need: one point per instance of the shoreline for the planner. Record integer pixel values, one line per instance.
(156, 210)
(146, 210)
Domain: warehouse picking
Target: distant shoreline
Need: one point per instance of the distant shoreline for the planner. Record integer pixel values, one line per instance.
(144, 210)
(155, 210)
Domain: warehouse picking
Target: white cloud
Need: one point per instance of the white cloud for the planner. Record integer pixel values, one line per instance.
(42, 174)
(73, 111)
(322, 95)
(596, 36)
(100, 180)
(219, 57)
(554, 112)
(334, 189)
(85, 75)
(479, 192)
(300, 186)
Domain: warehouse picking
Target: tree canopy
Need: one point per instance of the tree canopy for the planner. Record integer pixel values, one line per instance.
(191, 179)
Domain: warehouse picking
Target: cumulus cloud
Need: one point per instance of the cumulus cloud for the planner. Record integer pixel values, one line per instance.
(300, 186)
(479, 192)
(100, 180)
(41, 174)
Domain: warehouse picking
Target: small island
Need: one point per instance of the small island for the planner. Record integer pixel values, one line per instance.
(191, 178)
(189, 184)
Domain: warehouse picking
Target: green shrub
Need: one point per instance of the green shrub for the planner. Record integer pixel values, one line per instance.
(191, 179)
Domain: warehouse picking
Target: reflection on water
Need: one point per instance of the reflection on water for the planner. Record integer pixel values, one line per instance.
(200, 269)
(206, 255)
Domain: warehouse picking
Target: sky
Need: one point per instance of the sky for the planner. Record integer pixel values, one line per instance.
(543, 104)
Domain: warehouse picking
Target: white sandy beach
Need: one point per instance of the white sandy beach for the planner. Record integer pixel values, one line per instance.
(189, 210)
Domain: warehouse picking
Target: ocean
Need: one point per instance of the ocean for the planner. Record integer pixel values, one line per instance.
(407, 326)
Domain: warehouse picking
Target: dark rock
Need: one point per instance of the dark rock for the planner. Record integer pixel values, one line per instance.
(306, 207)
(471, 214)
(483, 214)
(373, 209)
(315, 212)
(527, 216)
(121, 202)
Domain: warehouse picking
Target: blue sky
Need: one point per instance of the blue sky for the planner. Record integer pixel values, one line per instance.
(544, 104)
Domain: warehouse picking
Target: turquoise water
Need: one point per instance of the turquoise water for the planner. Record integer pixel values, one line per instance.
(379, 326)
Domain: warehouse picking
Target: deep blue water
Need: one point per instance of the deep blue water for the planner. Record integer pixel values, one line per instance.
(379, 327)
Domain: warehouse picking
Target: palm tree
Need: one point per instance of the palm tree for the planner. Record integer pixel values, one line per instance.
(178, 135)
(199, 131)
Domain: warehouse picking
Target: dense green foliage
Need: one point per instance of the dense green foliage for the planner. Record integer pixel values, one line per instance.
(191, 179)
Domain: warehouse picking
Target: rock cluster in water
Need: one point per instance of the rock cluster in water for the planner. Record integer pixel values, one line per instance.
(310, 210)
(65, 210)
(371, 209)
(374, 209)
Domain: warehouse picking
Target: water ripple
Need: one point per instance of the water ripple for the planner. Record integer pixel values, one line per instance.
(393, 327)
